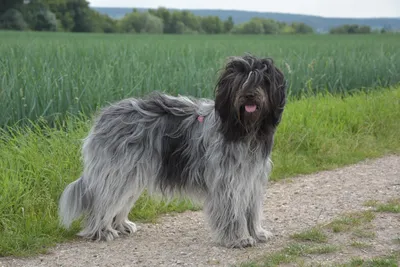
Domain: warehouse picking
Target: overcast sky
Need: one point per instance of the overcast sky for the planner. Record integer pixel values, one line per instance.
(326, 8)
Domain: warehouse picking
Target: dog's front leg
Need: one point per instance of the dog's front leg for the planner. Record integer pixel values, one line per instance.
(254, 216)
(226, 214)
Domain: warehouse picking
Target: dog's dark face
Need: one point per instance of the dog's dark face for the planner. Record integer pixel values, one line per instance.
(250, 97)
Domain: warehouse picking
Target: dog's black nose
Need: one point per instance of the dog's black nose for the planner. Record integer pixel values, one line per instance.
(250, 95)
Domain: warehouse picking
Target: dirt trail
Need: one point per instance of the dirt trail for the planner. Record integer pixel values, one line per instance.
(290, 206)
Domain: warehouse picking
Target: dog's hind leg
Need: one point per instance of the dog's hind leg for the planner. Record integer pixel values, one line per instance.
(121, 222)
(112, 201)
(98, 221)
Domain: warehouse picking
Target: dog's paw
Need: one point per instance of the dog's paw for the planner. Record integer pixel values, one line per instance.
(108, 234)
(244, 243)
(263, 236)
(126, 228)
(105, 234)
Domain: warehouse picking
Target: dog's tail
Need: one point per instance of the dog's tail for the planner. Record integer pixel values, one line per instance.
(73, 202)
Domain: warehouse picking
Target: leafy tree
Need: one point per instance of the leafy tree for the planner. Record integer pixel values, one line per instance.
(166, 17)
(10, 4)
(13, 19)
(228, 25)
(364, 29)
(62, 12)
(301, 28)
(180, 28)
(81, 14)
(212, 25)
(287, 29)
(350, 29)
(270, 26)
(254, 26)
(108, 24)
(152, 24)
(191, 22)
(137, 22)
(39, 17)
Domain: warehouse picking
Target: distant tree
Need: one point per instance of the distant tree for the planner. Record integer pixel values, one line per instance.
(301, 28)
(109, 25)
(63, 13)
(39, 17)
(103, 23)
(228, 24)
(364, 29)
(191, 22)
(350, 29)
(138, 22)
(45, 21)
(131, 22)
(10, 4)
(152, 24)
(254, 26)
(175, 26)
(212, 25)
(81, 14)
(166, 17)
(270, 26)
(180, 28)
(288, 29)
(13, 19)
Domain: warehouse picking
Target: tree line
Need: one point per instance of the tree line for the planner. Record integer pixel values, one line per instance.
(350, 29)
(77, 16)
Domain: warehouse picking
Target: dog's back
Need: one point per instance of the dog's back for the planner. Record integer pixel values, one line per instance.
(154, 143)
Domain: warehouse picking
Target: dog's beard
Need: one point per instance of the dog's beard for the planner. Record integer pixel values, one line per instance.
(250, 110)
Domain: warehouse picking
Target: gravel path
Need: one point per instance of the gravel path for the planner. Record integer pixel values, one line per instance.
(184, 240)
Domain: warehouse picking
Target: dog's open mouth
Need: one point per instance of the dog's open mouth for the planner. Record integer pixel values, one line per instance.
(250, 108)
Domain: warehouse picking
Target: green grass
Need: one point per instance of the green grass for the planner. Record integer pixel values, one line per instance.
(382, 261)
(308, 243)
(351, 222)
(392, 205)
(360, 245)
(290, 254)
(313, 235)
(326, 132)
(317, 133)
(50, 75)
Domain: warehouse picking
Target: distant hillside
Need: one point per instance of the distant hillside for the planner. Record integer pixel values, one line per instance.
(321, 24)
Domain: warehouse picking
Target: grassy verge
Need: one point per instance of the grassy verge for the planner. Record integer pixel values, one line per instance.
(317, 246)
(383, 261)
(392, 205)
(317, 133)
(325, 132)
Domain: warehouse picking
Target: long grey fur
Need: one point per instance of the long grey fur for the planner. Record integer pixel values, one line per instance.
(159, 143)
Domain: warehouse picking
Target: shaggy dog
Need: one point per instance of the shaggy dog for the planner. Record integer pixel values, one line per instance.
(217, 150)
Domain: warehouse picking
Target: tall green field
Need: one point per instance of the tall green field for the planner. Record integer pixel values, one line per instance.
(49, 75)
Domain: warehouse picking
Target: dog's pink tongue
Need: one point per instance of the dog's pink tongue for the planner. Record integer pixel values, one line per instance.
(250, 108)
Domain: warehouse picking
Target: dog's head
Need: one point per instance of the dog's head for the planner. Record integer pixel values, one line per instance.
(250, 97)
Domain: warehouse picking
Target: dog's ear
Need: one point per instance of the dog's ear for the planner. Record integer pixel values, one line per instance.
(279, 94)
(224, 95)
(276, 84)
(223, 91)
